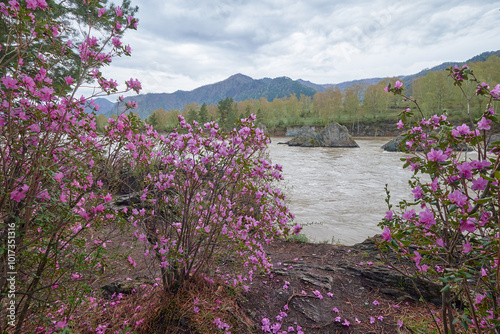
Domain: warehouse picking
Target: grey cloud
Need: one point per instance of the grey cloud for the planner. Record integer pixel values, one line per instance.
(183, 43)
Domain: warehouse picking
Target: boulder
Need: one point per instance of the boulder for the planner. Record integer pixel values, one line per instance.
(393, 145)
(334, 135)
(492, 139)
(294, 131)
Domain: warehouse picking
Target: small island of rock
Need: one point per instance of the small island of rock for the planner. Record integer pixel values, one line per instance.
(334, 135)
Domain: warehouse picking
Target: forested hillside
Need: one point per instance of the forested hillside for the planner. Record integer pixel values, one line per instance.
(310, 104)
(239, 87)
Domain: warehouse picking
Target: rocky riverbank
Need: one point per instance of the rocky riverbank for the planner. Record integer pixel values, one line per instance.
(338, 289)
(357, 129)
(317, 288)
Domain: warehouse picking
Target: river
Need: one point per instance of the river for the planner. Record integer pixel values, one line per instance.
(337, 194)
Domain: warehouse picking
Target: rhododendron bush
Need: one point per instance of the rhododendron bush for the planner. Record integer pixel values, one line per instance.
(449, 233)
(54, 193)
(207, 196)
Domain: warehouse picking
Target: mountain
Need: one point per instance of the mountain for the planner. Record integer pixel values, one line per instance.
(240, 87)
(103, 105)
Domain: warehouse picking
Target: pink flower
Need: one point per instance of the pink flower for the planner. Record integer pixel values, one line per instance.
(318, 294)
(276, 327)
(495, 91)
(336, 310)
(118, 11)
(466, 247)
(438, 155)
(408, 215)
(484, 124)
(346, 323)
(265, 322)
(297, 228)
(61, 324)
(131, 261)
(417, 258)
(375, 302)
(31, 4)
(468, 225)
(440, 242)
(17, 195)
(461, 130)
(481, 87)
(134, 84)
(458, 198)
(69, 80)
(400, 124)
(427, 218)
(398, 84)
(131, 21)
(34, 127)
(116, 42)
(435, 184)
(130, 146)
(386, 235)
(465, 170)
(9, 82)
(101, 12)
(34, 4)
(417, 192)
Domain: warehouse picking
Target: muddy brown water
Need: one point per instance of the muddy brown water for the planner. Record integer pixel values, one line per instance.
(337, 194)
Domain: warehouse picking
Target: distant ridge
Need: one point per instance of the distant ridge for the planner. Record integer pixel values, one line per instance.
(241, 87)
(481, 57)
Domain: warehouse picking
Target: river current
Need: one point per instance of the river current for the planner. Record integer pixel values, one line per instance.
(337, 194)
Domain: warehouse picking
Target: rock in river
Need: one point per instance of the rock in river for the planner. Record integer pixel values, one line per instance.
(334, 135)
(393, 145)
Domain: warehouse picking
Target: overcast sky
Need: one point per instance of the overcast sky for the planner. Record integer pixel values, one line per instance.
(184, 44)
